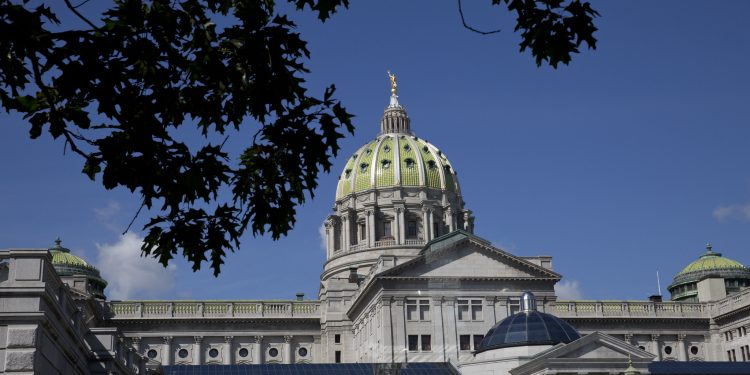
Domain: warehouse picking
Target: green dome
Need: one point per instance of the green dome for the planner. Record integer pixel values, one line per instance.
(684, 284)
(712, 261)
(67, 264)
(396, 158)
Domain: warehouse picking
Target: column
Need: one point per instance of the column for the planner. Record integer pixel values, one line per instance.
(329, 238)
(431, 219)
(681, 349)
(451, 221)
(258, 350)
(166, 356)
(501, 309)
(488, 312)
(288, 349)
(438, 340)
(388, 353)
(370, 227)
(228, 352)
(402, 225)
(397, 227)
(449, 322)
(629, 338)
(197, 352)
(425, 225)
(136, 342)
(399, 329)
(345, 232)
(655, 347)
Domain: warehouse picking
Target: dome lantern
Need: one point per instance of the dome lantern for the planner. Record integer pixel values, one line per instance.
(394, 118)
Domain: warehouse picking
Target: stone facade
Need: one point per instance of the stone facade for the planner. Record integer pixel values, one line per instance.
(405, 280)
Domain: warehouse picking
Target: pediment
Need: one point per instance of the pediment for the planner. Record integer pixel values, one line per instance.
(465, 256)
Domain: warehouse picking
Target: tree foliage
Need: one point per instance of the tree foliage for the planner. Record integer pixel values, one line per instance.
(118, 88)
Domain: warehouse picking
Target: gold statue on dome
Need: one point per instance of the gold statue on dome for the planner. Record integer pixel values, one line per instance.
(394, 85)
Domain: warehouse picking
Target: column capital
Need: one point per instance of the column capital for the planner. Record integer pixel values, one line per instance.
(198, 339)
(655, 337)
(681, 337)
(228, 339)
(437, 301)
(288, 338)
(386, 300)
(258, 339)
(135, 340)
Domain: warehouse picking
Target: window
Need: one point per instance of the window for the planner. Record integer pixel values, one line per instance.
(470, 309)
(244, 352)
(419, 343)
(337, 339)
(513, 307)
(426, 343)
(694, 350)
(338, 356)
(362, 232)
(464, 342)
(411, 228)
(182, 353)
(413, 343)
(273, 352)
(151, 353)
(213, 353)
(477, 340)
(387, 228)
(742, 350)
(302, 352)
(417, 310)
(668, 349)
(435, 229)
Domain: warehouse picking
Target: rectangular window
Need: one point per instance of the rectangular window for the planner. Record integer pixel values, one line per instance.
(464, 342)
(362, 232)
(470, 309)
(513, 307)
(338, 356)
(387, 229)
(742, 351)
(413, 343)
(477, 340)
(417, 310)
(435, 229)
(426, 343)
(337, 339)
(729, 356)
(734, 356)
(411, 229)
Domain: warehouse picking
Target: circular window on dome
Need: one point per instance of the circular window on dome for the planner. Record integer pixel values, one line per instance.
(213, 353)
(273, 352)
(407, 148)
(386, 149)
(409, 163)
(354, 156)
(151, 353)
(182, 353)
(385, 163)
(668, 349)
(348, 173)
(368, 151)
(243, 352)
(694, 350)
(425, 149)
(363, 167)
(431, 164)
(302, 352)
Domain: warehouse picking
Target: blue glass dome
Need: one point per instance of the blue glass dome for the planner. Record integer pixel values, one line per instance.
(528, 327)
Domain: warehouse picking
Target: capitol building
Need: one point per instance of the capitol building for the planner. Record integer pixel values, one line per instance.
(407, 287)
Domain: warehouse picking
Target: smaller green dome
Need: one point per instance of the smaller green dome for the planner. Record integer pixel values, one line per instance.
(711, 261)
(67, 264)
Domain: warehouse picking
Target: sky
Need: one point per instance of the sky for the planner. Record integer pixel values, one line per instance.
(622, 164)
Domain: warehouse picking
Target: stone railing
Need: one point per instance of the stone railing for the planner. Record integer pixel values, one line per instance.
(386, 243)
(213, 309)
(731, 303)
(627, 309)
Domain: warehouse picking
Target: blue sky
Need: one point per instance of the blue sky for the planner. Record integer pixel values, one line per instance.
(625, 162)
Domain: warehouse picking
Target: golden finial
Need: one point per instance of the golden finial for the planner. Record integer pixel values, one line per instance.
(394, 85)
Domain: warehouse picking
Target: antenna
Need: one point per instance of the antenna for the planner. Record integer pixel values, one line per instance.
(658, 283)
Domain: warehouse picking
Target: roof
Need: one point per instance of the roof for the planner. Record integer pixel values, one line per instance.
(422, 368)
(395, 159)
(528, 328)
(711, 261)
(675, 368)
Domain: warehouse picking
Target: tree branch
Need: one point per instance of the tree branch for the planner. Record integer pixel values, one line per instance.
(463, 20)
